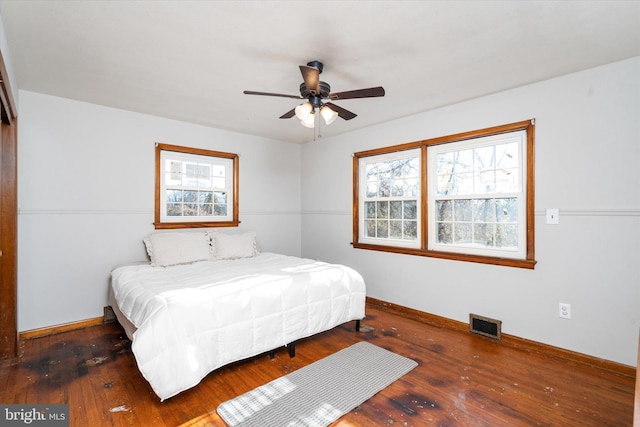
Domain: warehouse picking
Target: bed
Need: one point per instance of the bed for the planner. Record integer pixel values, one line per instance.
(208, 299)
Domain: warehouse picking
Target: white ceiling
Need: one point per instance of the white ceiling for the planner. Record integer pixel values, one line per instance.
(191, 60)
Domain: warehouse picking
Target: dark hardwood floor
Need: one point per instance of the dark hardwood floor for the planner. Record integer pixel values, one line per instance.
(462, 380)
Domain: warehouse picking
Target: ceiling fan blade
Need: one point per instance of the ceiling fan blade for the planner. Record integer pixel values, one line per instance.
(345, 114)
(288, 114)
(311, 76)
(371, 92)
(282, 95)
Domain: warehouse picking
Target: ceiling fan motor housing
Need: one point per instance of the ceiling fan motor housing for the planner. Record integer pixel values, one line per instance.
(325, 89)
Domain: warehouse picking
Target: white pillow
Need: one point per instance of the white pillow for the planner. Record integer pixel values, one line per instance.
(172, 248)
(232, 246)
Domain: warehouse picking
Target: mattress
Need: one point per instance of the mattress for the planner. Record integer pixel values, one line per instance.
(188, 320)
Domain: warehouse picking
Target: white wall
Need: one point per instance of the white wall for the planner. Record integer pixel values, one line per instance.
(587, 165)
(86, 197)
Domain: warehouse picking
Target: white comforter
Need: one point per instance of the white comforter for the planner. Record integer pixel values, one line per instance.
(192, 319)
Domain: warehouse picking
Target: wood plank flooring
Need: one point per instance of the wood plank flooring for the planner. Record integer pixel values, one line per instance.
(462, 380)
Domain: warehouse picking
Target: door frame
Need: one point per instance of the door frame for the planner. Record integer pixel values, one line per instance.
(8, 218)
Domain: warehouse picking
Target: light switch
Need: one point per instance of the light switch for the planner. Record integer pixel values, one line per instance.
(553, 216)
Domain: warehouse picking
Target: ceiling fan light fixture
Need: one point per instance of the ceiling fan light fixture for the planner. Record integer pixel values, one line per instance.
(309, 121)
(303, 111)
(328, 115)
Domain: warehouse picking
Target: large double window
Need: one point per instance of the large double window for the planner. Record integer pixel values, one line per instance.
(195, 188)
(466, 196)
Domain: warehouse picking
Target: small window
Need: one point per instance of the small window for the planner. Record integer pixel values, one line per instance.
(195, 188)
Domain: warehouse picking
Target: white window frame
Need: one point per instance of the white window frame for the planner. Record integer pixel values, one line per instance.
(362, 170)
(520, 252)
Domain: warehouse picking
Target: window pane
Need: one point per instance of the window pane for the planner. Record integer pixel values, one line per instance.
(190, 209)
(382, 229)
(205, 182)
(462, 184)
(384, 190)
(174, 209)
(206, 209)
(484, 158)
(507, 236)
(484, 210)
(218, 182)
(463, 233)
(382, 210)
(444, 164)
(369, 209)
(462, 210)
(220, 197)
(507, 156)
(205, 196)
(485, 182)
(483, 234)
(395, 210)
(174, 196)
(411, 187)
(507, 180)
(444, 184)
(397, 189)
(444, 233)
(190, 196)
(395, 229)
(372, 187)
(444, 211)
(370, 228)
(371, 180)
(410, 209)
(173, 174)
(507, 210)
(410, 230)
(220, 210)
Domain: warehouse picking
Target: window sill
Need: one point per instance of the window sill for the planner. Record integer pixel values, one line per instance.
(507, 262)
(174, 225)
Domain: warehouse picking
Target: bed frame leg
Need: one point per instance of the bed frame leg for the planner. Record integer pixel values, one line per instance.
(358, 325)
(292, 350)
(272, 354)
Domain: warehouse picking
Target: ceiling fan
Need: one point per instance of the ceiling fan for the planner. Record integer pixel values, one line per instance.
(316, 92)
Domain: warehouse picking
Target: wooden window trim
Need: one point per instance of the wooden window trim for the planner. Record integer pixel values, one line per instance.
(195, 224)
(528, 263)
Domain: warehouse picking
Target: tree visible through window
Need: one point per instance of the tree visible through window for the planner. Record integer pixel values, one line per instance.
(467, 196)
(195, 187)
(477, 196)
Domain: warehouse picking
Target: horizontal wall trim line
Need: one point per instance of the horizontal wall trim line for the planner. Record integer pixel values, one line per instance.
(563, 212)
(595, 212)
(272, 213)
(337, 213)
(131, 212)
(85, 212)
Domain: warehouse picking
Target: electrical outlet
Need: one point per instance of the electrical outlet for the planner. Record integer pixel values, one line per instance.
(564, 310)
